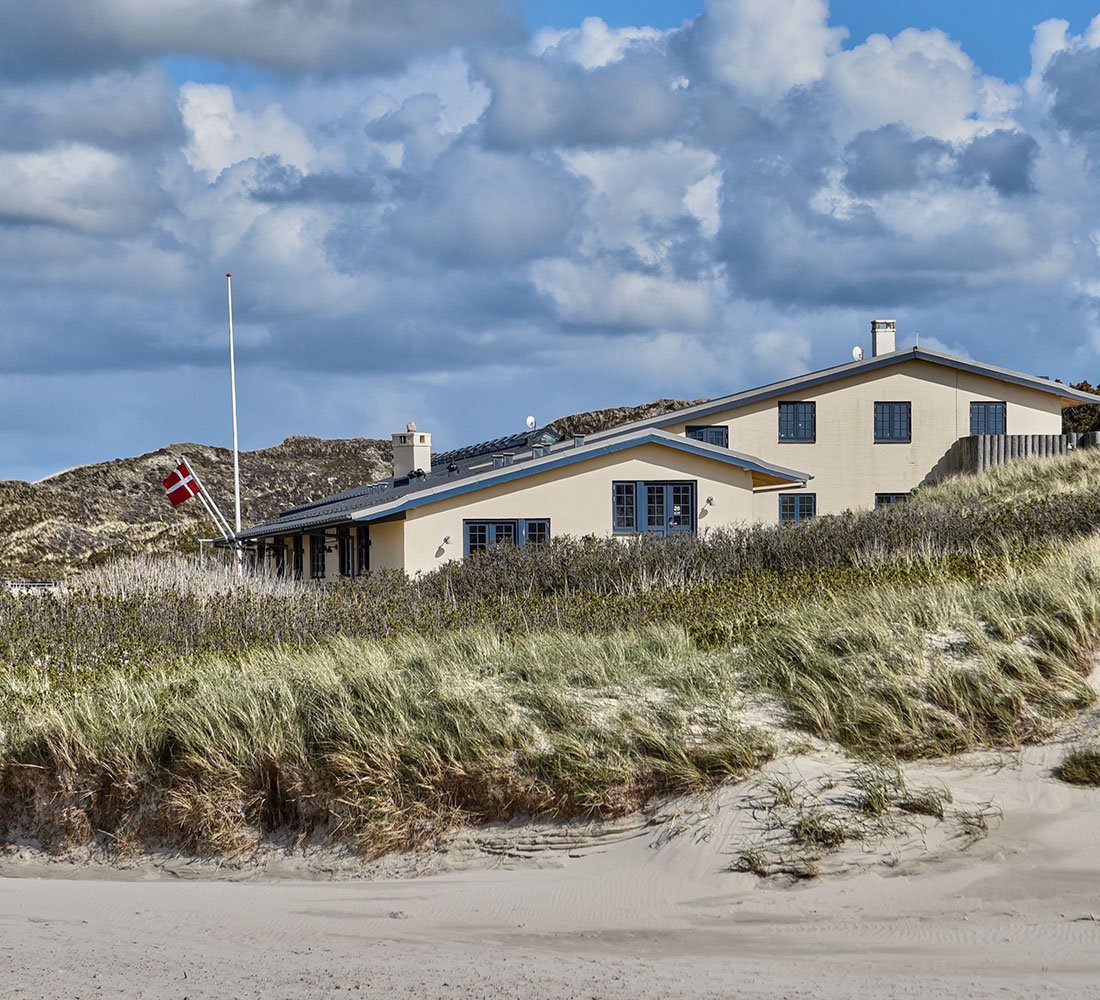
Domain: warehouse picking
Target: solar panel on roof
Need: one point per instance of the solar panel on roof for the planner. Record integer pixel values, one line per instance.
(509, 443)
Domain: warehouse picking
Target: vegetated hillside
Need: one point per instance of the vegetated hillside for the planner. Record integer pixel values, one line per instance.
(615, 416)
(84, 516)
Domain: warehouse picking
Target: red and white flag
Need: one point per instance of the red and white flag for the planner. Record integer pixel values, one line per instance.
(181, 485)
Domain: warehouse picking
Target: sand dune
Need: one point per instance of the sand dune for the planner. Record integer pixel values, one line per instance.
(641, 908)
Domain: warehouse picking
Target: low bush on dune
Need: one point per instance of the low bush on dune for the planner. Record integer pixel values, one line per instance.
(154, 703)
(1081, 766)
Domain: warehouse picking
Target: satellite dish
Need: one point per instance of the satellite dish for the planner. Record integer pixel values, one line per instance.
(531, 423)
(857, 353)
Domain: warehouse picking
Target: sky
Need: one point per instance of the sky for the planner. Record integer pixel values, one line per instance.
(464, 212)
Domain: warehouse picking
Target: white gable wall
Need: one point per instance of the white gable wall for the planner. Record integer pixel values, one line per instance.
(848, 467)
(576, 498)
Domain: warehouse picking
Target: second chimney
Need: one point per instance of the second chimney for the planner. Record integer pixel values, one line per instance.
(884, 334)
(411, 451)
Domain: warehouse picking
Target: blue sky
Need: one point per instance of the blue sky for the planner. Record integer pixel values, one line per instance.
(996, 33)
(434, 212)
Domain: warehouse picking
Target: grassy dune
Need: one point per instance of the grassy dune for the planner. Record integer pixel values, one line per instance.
(150, 705)
(379, 743)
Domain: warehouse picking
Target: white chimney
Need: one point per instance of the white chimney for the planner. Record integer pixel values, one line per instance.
(884, 334)
(411, 451)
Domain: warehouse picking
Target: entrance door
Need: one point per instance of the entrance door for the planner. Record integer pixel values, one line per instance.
(669, 507)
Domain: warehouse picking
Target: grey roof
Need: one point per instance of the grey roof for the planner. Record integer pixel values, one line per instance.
(391, 499)
(513, 442)
(825, 375)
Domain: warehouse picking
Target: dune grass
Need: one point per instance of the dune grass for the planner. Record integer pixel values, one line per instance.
(151, 704)
(384, 744)
(378, 744)
(943, 667)
(1081, 766)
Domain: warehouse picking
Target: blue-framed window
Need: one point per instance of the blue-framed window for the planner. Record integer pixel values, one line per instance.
(657, 507)
(988, 418)
(317, 557)
(711, 435)
(477, 536)
(889, 499)
(893, 422)
(798, 422)
(624, 500)
(797, 507)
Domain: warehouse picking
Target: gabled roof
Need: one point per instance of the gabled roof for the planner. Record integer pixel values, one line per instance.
(364, 507)
(1069, 396)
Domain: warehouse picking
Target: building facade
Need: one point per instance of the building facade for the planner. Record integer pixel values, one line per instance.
(851, 437)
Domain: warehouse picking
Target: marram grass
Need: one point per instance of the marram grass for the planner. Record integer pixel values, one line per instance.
(943, 667)
(382, 745)
(150, 705)
(1081, 766)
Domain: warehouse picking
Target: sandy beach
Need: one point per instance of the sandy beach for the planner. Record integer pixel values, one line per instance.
(647, 907)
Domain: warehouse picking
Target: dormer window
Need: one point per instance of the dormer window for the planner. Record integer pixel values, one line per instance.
(717, 435)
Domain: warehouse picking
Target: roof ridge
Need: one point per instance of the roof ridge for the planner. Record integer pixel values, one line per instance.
(845, 369)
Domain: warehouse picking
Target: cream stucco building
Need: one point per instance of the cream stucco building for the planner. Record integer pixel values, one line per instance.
(851, 437)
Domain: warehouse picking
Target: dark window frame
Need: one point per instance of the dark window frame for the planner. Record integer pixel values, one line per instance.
(644, 513)
(704, 433)
(984, 408)
(316, 556)
(345, 552)
(299, 556)
(362, 550)
(279, 555)
(890, 499)
(516, 529)
(794, 503)
(885, 421)
(794, 416)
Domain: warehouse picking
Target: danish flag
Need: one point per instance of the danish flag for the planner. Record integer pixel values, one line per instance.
(181, 485)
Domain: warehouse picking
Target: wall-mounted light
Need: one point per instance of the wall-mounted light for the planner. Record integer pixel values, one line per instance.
(446, 539)
(710, 501)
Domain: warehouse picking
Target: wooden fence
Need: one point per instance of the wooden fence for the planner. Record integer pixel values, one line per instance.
(986, 451)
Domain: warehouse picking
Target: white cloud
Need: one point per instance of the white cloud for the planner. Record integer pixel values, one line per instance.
(603, 215)
(220, 135)
(487, 208)
(765, 49)
(781, 353)
(638, 197)
(593, 44)
(921, 78)
(75, 186)
(588, 294)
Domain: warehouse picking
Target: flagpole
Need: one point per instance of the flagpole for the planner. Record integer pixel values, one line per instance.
(208, 502)
(233, 393)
